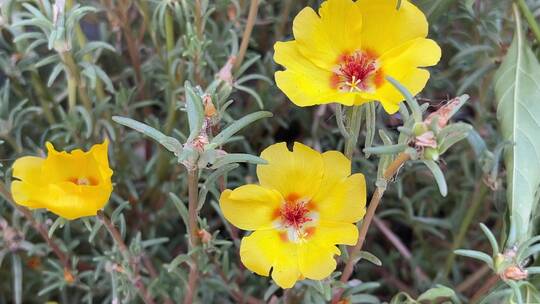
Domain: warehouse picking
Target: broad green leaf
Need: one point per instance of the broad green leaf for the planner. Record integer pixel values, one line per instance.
(517, 90)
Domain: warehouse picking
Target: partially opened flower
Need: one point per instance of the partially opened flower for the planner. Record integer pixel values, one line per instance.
(345, 53)
(305, 204)
(71, 185)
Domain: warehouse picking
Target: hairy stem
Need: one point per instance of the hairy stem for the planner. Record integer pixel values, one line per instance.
(252, 16)
(193, 228)
(373, 204)
(133, 273)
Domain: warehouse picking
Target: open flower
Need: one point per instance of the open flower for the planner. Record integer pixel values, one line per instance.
(345, 53)
(71, 185)
(304, 205)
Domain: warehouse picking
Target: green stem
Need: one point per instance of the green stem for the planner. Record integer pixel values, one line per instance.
(169, 37)
(354, 124)
(530, 18)
(72, 92)
(81, 39)
(480, 193)
(75, 81)
(44, 98)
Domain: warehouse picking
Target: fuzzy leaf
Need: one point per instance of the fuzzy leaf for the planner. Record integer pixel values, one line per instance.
(170, 143)
(517, 90)
(195, 111)
(236, 126)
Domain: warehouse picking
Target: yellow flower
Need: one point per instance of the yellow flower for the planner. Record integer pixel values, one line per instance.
(345, 53)
(304, 205)
(71, 185)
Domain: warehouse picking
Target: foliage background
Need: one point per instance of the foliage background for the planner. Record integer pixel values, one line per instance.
(131, 58)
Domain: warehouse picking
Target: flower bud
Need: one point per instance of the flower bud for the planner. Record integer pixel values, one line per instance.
(419, 128)
(431, 154)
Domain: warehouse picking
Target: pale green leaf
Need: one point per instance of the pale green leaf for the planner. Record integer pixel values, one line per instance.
(517, 90)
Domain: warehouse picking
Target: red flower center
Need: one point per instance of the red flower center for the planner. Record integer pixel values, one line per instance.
(294, 213)
(357, 72)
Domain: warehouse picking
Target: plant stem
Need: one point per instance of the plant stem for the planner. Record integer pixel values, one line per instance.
(133, 273)
(494, 279)
(43, 95)
(81, 39)
(75, 82)
(373, 204)
(252, 16)
(473, 279)
(480, 193)
(199, 27)
(530, 18)
(169, 40)
(41, 229)
(355, 121)
(193, 228)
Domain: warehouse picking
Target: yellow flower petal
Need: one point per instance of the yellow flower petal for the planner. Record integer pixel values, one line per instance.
(328, 232)
(250, 207)
(298, 172)
(304, 83)
(316, 261)
(401, 64)
(385, 27)
(346, 202)
(28, 195)
(345, 54)
(27, 167)
(324, 39)
(316, 256)
(71, 185)
(264, 250)
(72, 201)
(341, 197)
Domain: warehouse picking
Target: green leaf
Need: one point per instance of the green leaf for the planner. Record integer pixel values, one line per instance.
(170, 143)
(438, 175)
(195, 111)
(437, 293)
(475, 255)
(370, 257)
(237, 158)
(236, 126)
(517, 90)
